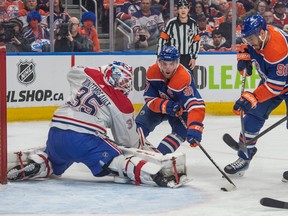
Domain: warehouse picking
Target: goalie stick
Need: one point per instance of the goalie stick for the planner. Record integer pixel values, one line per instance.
(229, 140)
(269, 202)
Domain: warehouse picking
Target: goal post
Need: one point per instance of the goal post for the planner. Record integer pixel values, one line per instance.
(3, 116)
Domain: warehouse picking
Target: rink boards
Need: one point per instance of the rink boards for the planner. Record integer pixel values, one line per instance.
(37, 84)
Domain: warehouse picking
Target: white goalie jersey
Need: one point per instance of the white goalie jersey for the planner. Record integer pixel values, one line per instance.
(94, 105)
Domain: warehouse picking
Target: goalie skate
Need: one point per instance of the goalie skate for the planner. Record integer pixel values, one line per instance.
(28, 171)
(171, 181)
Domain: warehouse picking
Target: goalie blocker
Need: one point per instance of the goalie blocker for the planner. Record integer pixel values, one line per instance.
(134, 165)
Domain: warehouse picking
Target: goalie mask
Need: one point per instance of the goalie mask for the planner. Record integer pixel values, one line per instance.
(120, 76)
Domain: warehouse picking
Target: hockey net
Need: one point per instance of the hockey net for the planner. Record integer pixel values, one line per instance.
(3, 116)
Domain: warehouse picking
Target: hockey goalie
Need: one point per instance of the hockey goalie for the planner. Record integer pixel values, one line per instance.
(78, 134)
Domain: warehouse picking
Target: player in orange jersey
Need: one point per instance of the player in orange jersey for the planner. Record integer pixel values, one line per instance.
(171, 92)
(267, 50)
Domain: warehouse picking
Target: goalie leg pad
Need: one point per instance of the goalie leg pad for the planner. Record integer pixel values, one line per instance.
(149, 167)
(133, 168)
(41, 158)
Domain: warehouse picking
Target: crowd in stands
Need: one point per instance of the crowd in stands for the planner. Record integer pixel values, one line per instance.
(25, 24)
(25, 27)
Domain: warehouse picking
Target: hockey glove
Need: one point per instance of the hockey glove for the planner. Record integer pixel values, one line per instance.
(171, 108)
(245, 103)
(194, 133)
(244, 62)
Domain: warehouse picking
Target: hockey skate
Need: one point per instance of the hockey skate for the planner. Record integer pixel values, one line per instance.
(285, 176)
(238, 167)
(170, 181)
(20, 173)
(29, 164)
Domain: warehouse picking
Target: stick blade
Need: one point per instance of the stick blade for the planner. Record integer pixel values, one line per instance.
(269, 202)
(228, 188)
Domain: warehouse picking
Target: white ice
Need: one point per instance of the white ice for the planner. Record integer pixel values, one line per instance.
(77, 192)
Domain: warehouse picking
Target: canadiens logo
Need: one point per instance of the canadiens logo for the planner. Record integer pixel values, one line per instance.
(105, 154)
(26, 72)
(188, 91)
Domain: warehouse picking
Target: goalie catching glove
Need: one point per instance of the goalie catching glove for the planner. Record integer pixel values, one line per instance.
(171, 108)
(194, 133)
(245, 103)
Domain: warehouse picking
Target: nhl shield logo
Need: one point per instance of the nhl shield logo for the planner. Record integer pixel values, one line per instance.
(26, 72)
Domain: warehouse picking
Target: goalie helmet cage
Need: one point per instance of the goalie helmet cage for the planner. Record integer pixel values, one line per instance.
(3, 116)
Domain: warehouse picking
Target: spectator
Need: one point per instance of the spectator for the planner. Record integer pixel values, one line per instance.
(224, 9)
(4, 15)
(43, 5)
(226, 29)
(18, 43)
(239, 5)
(141, 40)
(13, 7)
(148, 18)
(210, 8)
(60, 15)
(205, 31)
(262, 6)
(269, 18)
(125, 10)
(31, 5)
(280, 17)
(72, 41)
(89, 20)
(105, 14)
(196, 10)
(273, 2)
(36, 34)
(218, 43)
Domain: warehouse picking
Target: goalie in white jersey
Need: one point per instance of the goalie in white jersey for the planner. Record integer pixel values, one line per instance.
(99, 101)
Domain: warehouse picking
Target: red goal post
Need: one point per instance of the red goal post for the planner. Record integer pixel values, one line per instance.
(3, 116)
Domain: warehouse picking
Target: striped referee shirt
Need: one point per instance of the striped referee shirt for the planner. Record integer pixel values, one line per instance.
(184, 36)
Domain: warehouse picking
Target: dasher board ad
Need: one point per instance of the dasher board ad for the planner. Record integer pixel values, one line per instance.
(40, 80)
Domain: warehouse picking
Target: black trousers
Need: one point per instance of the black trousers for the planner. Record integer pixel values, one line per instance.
(184, 60)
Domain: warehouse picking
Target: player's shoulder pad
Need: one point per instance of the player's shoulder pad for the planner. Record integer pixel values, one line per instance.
(275, 49)
(180, 79)
(154, 73)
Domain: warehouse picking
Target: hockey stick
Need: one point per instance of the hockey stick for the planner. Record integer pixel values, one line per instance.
(230, 187)
(242, 146)
(235, 145)
(269, 202)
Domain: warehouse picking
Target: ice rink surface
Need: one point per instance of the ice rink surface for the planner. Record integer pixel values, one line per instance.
(77, 192)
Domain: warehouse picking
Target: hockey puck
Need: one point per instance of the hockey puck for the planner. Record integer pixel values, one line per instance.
(224, 189)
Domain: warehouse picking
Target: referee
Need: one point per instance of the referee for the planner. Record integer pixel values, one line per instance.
(182, 32)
